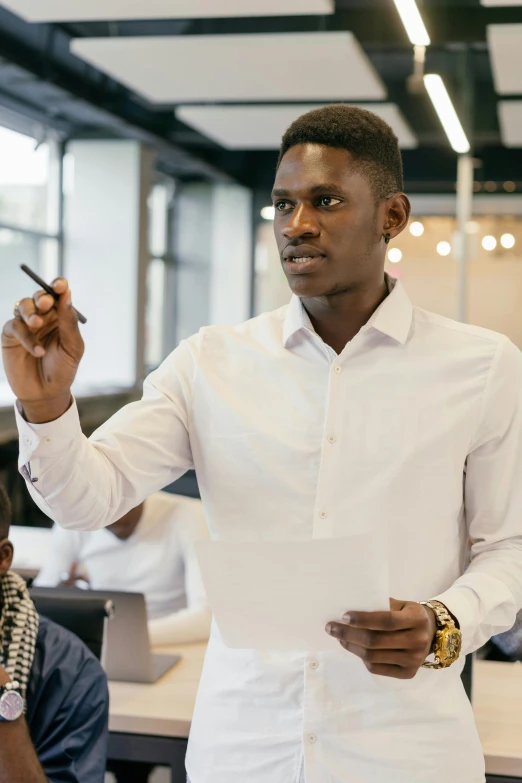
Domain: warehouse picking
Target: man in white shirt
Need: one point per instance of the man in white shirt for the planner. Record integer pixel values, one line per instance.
(350, 410)
(150, 550)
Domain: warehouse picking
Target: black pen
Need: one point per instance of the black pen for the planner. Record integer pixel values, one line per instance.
(47, 288)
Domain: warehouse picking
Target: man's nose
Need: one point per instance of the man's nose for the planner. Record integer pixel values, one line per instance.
(301, 222)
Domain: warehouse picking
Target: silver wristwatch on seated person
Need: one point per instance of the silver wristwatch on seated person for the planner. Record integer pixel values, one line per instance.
(11, 702)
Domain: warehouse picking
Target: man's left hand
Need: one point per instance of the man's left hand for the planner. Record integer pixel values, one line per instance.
(392, 644)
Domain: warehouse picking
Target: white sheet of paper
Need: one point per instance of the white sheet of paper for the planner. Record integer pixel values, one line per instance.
(279, 595)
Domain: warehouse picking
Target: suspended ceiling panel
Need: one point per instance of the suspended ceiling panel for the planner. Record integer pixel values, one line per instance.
(501, 2)
(259, 67)
(505, 47)
(261, 127)
(510, 117)
(96, 10)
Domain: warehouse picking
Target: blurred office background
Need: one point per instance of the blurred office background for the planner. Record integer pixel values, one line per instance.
(138, 143)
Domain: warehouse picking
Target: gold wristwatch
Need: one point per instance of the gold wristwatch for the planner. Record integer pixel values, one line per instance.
(448, 638)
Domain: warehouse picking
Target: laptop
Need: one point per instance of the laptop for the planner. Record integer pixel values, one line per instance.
(126, 654)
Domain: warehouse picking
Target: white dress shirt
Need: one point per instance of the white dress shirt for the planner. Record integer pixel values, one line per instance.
(158, 560)
(413, 432)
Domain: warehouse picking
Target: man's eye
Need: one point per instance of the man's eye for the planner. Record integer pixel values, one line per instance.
(329, 201)
(281, 205)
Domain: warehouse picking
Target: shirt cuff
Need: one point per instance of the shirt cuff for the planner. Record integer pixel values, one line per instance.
(44, 440)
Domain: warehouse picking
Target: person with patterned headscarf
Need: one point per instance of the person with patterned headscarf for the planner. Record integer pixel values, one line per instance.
(53, 692)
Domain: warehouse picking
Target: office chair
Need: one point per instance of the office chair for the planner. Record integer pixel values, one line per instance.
(84, 616)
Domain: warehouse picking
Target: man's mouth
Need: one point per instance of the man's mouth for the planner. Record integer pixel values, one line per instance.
(303, 264)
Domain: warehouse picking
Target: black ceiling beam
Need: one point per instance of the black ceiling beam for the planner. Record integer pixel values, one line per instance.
(447, 23)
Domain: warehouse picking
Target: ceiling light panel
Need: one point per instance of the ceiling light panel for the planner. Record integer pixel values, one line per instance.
(510, 118)
(98, 10)
(497, 3)
(261, 127)
(505, 47)
(258, 67)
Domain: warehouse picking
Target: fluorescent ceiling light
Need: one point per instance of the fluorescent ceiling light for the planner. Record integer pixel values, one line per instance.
(412, 21)
(247, 127)
(113, 10)
(446, 112)
(244, 67)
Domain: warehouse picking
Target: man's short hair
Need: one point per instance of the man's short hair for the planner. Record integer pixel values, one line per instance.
(5, 514)
(370, 141)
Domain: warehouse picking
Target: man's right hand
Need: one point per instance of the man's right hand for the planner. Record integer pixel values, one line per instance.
(74, 578)
(41, 349)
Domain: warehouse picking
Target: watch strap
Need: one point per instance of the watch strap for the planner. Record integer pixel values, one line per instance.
(442, 617)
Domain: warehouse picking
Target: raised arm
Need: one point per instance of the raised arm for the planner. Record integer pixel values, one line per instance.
(82, 483)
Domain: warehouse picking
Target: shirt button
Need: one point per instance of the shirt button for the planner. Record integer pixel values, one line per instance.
(338, 369)
(323, 514)
(331, 438)
(47, 439)
(311, 738)
(314, 665)
(28, 441)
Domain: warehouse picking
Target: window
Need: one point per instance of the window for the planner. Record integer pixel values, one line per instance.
(160, 204)
(29, 219)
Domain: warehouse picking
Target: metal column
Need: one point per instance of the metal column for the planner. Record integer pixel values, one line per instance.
(464, 214)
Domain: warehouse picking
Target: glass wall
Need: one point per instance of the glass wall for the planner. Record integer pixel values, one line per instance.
(422, 257)
(29, 219)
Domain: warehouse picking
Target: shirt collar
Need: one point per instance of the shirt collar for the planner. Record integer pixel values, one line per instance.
(393, 317)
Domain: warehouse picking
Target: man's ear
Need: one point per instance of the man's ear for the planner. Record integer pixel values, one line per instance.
(6, 556)
(396, 216)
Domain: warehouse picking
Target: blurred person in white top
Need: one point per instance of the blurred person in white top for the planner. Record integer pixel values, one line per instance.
(150, 550)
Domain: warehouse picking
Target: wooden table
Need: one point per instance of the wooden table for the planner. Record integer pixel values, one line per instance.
(165, 708)
(497, 704)
(151, 723)
(152, 717)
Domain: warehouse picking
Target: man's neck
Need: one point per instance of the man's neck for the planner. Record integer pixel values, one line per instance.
(339, 317)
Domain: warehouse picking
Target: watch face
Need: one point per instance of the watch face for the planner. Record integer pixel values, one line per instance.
(452, 644)
(11, 705)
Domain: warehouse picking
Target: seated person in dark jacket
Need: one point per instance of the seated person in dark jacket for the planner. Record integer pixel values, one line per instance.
(507, 646)
(53, 692)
